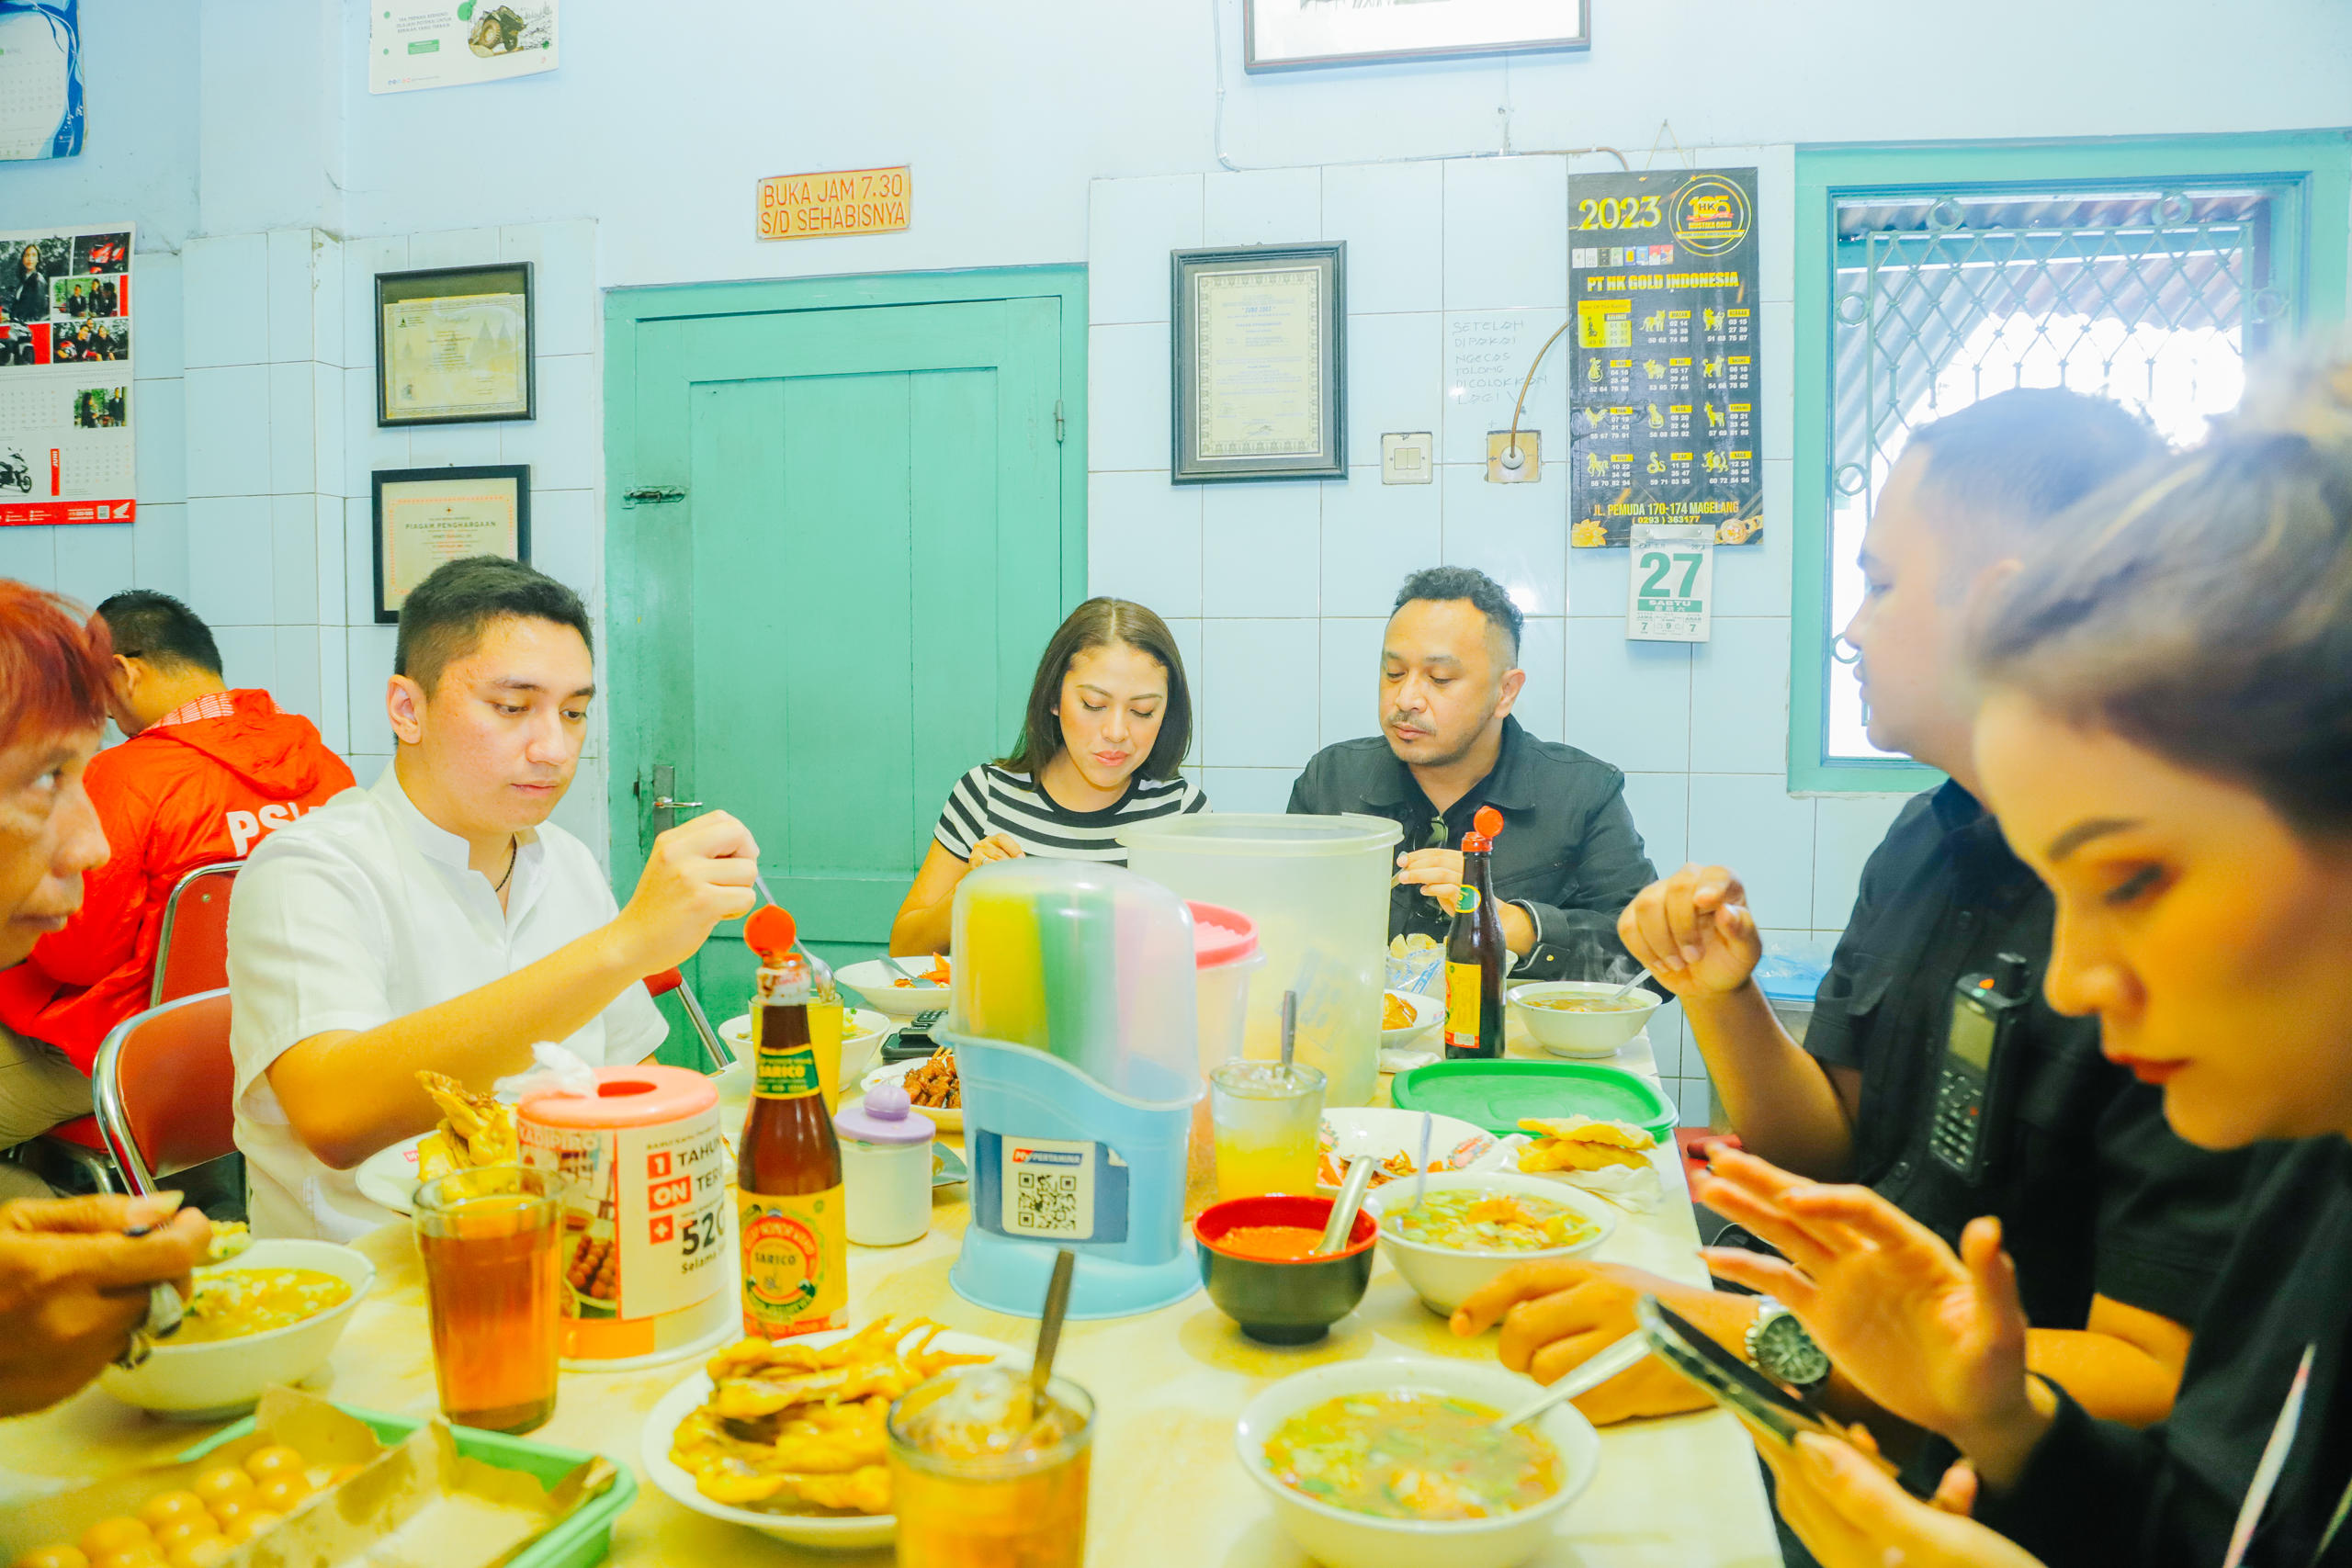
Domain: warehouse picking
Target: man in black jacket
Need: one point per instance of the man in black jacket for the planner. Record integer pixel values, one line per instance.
(1568, 858)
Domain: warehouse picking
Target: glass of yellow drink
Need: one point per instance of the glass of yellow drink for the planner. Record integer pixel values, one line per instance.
(1265, 1119)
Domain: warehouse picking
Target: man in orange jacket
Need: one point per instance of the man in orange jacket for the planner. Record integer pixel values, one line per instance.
(206, 773)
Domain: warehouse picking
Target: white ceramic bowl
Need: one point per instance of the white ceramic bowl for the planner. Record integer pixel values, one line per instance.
(1342, 1539)
(225, 1377)
(874, 981)
(844, 1532)
(1581, 1033)
(1427, 1014)
(1444, 1276)
(863, 1032)
(893, 1072)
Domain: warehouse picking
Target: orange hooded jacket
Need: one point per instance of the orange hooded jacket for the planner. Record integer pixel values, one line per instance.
(171, 798)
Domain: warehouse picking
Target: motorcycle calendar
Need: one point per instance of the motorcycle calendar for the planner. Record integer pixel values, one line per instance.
(66, 315)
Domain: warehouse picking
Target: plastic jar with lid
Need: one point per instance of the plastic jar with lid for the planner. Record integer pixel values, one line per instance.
(885, 1166)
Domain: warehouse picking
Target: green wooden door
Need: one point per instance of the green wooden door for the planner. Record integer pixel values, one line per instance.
(843, 610)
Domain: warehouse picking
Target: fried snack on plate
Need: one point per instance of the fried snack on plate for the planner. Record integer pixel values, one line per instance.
(475, 1130)
(1581, 1143)
(793, 1427)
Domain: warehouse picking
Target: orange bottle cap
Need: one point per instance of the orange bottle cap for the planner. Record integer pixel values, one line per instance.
(1489, 824)
(769, 931)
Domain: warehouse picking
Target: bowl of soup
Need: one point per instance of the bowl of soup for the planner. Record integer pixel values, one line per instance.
(1470, 1227)
(1577, 1018)
(1394, 1464)
(271, 1314)
(1256, 1268)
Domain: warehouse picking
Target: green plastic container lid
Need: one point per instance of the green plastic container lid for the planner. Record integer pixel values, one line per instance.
(1496, 1094)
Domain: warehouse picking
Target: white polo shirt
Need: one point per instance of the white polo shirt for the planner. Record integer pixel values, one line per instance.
(362, 912)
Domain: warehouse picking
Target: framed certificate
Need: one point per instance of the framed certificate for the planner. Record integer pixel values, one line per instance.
(454, 344)
(426, 516)
(1260, 364)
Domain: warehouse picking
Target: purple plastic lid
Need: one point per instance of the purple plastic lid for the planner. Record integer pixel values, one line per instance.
(885, 1116)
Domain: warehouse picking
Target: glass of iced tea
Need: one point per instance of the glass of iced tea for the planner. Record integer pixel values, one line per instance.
(1268, 1120)
(492, 1285)
(979, 1479)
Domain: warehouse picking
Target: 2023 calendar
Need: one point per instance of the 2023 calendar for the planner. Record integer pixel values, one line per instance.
(66, 310)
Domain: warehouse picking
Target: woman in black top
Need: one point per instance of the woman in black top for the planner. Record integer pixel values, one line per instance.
(28, 290)
(2166, 737)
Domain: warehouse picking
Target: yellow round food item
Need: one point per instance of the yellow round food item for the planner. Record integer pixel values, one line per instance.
(281, 1493)
(228, 1481)
(165, 1507)
(251, 1523)
(202, 1552)
(58, 1556)
(109, 1535)
(262, 1464)
(198, 1526)
(229, 1510)
(130, 1557)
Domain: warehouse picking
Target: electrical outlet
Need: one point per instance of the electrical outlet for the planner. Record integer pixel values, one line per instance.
(1408, 458)
(1514, 463)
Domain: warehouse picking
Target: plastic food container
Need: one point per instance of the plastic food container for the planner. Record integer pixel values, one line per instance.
(885, 1167)
(641, 1176)
(1317, 889)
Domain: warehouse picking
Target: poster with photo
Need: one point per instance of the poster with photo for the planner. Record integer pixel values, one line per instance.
(1664, 376)
(416, 44)
(66, 449)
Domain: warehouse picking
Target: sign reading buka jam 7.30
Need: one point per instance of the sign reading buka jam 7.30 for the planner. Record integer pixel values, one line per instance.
(847, 201)
(1665, 376)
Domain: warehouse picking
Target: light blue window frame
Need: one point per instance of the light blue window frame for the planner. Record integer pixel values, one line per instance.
(2312, 231)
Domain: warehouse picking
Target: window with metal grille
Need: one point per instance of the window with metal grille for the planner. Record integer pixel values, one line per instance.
(2154, 291)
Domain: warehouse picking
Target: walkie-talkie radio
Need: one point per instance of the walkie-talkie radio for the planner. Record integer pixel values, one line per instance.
(1976, 1074)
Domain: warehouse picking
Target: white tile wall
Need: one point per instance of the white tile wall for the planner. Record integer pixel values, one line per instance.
(1295, 581)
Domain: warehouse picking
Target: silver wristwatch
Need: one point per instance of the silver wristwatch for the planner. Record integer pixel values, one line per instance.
(1782, 1349)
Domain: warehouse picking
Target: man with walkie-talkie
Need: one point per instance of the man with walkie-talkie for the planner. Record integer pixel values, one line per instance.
(1932, 1070)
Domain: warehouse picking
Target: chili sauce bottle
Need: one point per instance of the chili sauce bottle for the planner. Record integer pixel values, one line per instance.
(1474, 948)
(789, 1217)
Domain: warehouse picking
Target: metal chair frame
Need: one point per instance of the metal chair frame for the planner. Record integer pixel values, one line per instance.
(228, 868)
(113, 1116)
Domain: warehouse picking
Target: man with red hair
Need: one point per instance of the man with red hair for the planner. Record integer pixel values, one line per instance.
(75, 1276)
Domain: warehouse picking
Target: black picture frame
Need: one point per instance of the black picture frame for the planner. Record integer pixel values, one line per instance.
(499, 279)
(392, 480)
(1186, 464)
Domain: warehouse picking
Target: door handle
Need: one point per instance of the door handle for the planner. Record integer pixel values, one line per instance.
(663, 803)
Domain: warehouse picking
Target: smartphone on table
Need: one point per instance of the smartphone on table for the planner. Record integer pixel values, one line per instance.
(1770, 1413)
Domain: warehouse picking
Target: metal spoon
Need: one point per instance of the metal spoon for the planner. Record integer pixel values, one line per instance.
(1622, 1356)
(1343, 1208)
(1049, 1329)
(1639, 976)
(1290, 1029)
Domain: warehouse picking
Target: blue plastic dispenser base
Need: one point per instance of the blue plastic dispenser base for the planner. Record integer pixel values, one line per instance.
(1121, 1169)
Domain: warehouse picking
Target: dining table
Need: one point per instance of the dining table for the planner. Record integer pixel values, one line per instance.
(1679, 1491)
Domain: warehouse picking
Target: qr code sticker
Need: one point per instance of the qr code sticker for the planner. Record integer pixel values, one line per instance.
(1045, 1204)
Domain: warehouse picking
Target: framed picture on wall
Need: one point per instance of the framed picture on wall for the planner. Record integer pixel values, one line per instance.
(1259, 371)
(1286, 35)
(453, 345)
(426, 517)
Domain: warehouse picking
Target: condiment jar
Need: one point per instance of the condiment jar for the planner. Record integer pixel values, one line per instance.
(886, 1164)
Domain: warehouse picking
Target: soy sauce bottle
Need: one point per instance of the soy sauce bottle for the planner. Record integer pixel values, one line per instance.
(1474, 948)
(790, 1219)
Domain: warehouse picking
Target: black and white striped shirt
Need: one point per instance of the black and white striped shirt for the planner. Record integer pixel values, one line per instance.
(990, 800)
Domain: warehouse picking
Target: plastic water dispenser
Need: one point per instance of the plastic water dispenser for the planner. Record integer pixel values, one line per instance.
(1072, 1016)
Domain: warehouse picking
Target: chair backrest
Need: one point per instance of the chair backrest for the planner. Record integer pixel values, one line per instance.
(164, 1086)
(194, 952)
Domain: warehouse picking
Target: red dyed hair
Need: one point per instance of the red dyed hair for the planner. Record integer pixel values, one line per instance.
(55, 666)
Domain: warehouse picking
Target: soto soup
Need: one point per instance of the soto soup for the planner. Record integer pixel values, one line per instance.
(1630, 1002)
(1411, 1454)
(231, 1303)
(1465, 1219)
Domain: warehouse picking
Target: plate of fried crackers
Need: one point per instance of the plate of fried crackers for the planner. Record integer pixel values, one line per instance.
(787, 1438)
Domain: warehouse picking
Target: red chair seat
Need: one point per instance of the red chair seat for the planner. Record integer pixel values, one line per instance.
(82, 1130)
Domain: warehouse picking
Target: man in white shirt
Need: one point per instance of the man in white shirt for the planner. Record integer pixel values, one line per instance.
(437, 920)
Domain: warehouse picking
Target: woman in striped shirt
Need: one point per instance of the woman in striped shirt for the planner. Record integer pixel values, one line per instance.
(1110, 716)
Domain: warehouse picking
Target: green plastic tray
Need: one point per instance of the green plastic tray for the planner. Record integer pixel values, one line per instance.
(1496, 1094)
(580, 1538)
